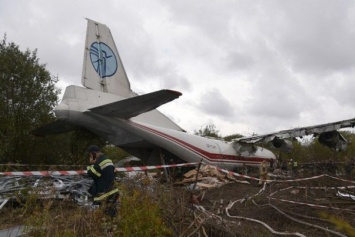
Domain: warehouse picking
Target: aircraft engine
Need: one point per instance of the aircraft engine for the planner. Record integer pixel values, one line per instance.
(333, 139)
(281, 145)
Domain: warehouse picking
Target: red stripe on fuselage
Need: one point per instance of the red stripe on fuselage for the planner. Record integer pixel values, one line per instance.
(212, 157)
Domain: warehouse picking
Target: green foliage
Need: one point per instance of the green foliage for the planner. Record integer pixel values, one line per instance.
(339, 223)
(311, 150)
(350, 152)
(300, 152)
(27, 97)
(115, 153)
(141, 214)
(208, 131)
(77, 145)
(51, 218)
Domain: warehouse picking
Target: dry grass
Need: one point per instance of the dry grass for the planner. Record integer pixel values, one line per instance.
(148, 208)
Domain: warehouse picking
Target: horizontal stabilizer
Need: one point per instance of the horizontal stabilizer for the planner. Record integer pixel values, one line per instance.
(134, 106)
(56, 127)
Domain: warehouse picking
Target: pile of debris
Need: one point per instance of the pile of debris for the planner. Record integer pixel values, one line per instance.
(76, 187)
(206, 177)
(58, 187)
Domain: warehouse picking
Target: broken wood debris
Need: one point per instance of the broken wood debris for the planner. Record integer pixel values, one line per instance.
(207, 177)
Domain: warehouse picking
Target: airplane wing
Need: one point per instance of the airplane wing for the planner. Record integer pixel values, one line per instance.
(54, 128)
(134, 106)
(327, 135)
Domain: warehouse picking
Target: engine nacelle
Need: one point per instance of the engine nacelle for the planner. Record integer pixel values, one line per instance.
(281, 145)
(333, 139)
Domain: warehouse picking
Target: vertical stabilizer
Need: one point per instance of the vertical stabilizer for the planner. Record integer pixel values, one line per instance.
(103, 69)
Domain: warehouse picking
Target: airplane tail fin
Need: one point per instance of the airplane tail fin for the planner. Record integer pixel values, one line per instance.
(103, 69)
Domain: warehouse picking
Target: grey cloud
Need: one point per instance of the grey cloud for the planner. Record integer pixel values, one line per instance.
(318, 36)
(276, 94)
(213, 103)
(175, 81)
(238, 61)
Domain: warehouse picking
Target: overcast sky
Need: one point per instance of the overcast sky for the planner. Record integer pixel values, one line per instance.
(244, 66)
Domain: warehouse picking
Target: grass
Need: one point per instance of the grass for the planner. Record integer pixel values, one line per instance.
(141, 213)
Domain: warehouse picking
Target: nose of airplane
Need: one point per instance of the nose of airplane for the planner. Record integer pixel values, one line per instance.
(62, 110)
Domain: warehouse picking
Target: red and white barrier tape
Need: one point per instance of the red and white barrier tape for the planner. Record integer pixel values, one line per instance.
(80, 172)
(282, 180)
(43, 173)
(144, 168)
(28, 165)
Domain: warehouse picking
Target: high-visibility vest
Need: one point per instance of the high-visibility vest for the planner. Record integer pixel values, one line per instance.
(100, 198)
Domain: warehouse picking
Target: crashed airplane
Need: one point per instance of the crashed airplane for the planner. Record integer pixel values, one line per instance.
(108, 107)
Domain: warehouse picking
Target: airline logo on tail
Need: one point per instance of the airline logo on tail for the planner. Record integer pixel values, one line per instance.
(103, 59)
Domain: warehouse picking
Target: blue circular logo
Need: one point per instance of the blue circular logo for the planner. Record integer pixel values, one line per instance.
(103, 59)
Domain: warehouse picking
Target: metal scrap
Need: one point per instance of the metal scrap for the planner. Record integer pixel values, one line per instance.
(59, 187)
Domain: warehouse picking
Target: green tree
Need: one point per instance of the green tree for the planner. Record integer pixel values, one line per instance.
(27, 97)
(115, 153)
(208, 131)
(350, 152)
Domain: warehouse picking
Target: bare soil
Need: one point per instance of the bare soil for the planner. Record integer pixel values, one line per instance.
(303, 207)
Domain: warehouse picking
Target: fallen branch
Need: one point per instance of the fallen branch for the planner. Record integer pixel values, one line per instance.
(198, 226)
(266, 226)
(308, 224)
(197, 220)
(260, 222)
(307, 217)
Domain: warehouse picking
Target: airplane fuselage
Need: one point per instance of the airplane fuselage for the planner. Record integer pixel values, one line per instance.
(153, 127)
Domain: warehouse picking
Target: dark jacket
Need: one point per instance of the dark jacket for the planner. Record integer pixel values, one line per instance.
(103, 174)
